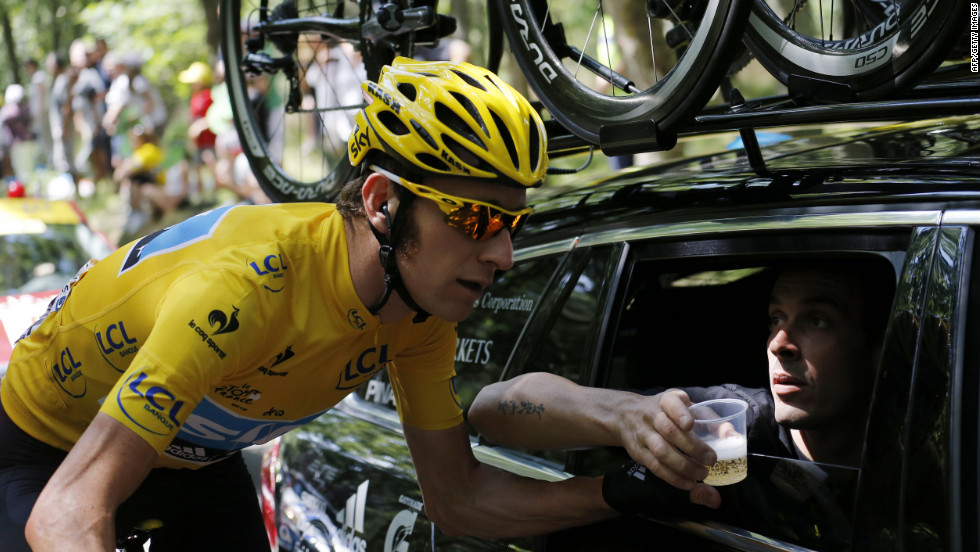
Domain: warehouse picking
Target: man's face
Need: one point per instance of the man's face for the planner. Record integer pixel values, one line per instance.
(821, 364)
(446, 271)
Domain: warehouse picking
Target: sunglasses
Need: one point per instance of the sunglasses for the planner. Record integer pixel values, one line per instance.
(477, 219)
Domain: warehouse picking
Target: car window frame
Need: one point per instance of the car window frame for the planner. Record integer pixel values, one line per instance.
(892, 242)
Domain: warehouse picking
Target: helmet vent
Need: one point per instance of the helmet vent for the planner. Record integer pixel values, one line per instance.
(456, 123)
(408, 90)
(470, 80)
(393, 123)
(507, 139)
(425, 135)
(472, 110)
(534, 143)
(467, 156)
(433, 162)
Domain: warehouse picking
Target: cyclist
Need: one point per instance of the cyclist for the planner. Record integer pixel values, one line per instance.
(133, 396)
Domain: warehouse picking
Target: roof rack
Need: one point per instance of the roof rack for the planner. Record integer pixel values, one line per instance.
(944, 98)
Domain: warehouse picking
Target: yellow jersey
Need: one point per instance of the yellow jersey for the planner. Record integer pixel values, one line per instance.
(225, 330)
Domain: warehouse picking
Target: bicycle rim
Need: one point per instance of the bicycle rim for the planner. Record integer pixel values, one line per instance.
(662, 86)
(840, 50)
(296, 145)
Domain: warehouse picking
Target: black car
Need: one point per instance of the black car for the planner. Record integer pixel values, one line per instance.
(657, 276)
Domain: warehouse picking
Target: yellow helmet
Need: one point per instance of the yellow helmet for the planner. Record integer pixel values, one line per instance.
(453, 119)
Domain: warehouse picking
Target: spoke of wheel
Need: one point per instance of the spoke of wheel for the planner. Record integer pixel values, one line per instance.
(678, 19)
(588, 38)
(820, 9)
(653, 54)
(547, 12)
(831, 20)
(605, 34)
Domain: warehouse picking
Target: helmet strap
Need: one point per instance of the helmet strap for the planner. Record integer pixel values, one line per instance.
(393, 279)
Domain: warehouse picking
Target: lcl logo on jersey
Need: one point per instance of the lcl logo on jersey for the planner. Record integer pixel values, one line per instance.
(273, 265)
(359, 370)
(151, 407)
(114, 340)
(68, 374)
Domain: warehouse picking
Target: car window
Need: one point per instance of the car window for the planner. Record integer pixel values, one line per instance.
(698, 321)
(487, 337)
(45, 259)
(564, 337)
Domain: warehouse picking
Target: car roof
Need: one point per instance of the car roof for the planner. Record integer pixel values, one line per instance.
(18, 215)
(938, 159)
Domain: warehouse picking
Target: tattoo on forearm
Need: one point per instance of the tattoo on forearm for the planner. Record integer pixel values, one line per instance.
(514, 408)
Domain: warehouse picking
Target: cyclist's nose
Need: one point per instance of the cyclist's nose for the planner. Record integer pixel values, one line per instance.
(499, 251)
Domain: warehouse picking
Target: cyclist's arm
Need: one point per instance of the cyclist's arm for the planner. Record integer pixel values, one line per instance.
(75, 509)
(465, 497)
(542, 410)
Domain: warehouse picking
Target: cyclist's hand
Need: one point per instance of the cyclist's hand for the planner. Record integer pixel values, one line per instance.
(657, 432)
(632, 489)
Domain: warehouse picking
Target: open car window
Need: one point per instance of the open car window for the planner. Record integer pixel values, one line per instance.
(701, 321)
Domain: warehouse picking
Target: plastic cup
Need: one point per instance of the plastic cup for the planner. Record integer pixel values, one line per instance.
(720, 423)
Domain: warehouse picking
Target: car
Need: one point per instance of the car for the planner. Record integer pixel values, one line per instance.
(43, 243)
(657, 277)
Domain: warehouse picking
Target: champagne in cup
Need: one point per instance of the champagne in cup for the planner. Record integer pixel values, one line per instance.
(720, 423)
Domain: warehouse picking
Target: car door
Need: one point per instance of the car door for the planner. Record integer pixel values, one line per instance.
(691, 311)
(919, 490)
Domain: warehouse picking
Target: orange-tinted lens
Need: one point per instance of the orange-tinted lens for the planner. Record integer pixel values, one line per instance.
(481, 222)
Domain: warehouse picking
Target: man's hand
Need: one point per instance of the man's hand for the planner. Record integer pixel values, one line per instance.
(632, 489)
(657, 432)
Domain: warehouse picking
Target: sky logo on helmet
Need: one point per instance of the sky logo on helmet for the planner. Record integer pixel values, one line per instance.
(360, 142)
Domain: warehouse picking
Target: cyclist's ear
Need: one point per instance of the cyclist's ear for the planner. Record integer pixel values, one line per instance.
(376, 191)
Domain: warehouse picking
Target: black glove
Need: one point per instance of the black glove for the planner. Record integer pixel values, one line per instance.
(633, 489)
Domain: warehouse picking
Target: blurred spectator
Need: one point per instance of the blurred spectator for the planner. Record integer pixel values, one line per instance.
(15, 132)
(99, 54)
(37, 97)
(132, 99)
(60, 117)
(151, 193)
(87, 96)
(199, 77)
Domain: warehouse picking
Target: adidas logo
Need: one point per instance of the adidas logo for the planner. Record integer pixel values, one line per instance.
(351, 519)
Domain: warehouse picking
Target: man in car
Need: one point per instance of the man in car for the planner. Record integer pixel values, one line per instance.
(132, 398)
(827, 323)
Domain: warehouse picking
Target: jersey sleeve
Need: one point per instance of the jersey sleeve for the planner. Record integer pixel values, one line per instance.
(422, 381)
(210, 324)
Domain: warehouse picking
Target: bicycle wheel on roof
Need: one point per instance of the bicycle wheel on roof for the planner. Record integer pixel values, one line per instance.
(624, 101)
(838, 50)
